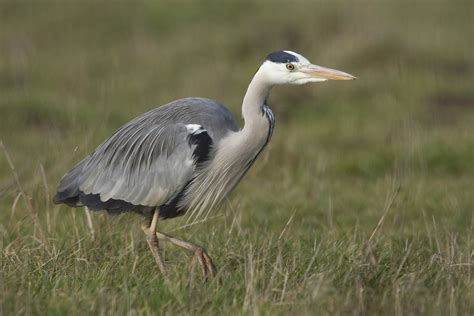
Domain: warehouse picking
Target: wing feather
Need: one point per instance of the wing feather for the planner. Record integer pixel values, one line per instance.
(148, 161)
(127, 177)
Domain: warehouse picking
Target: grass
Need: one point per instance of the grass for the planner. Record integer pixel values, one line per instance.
(361, 204)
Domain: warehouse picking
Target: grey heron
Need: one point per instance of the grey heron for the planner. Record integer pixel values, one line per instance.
(184, 157)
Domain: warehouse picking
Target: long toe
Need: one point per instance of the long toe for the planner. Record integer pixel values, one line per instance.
(205, 262)
(211, 267)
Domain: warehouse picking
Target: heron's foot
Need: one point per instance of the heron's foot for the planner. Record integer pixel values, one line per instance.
(200, 254)
(207, 266)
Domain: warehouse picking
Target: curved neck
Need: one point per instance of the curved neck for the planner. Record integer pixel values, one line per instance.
(254, 99)
(235, 153)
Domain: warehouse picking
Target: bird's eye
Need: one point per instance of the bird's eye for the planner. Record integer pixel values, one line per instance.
(290, 66)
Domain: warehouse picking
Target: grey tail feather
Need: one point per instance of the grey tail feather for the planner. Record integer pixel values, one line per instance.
(69, 193)
(61, 198)
(68, 189)
(93, 202)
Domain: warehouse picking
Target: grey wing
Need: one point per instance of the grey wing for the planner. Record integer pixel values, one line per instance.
(149, 160)
(213, 116)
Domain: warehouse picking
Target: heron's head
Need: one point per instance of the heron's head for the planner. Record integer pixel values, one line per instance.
(287, 67)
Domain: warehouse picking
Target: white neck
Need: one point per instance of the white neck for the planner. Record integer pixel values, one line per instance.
(246, 144)
(235, 153)
(255, 123)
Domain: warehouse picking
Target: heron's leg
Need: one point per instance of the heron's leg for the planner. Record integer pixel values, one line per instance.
(200, 254)
(149, 228)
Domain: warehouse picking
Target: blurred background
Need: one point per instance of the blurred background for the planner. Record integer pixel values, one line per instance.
(71, 72)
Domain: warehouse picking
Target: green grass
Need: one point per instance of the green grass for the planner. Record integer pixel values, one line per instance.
(362, 203)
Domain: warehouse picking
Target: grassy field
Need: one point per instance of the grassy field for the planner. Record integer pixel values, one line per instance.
(362, 203)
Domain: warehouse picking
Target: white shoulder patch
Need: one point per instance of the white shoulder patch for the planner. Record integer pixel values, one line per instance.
(195, 128)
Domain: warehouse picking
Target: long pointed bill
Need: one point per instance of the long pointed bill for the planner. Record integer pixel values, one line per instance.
(326, 73)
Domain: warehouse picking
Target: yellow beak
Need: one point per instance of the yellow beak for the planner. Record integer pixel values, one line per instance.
(326, 73)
